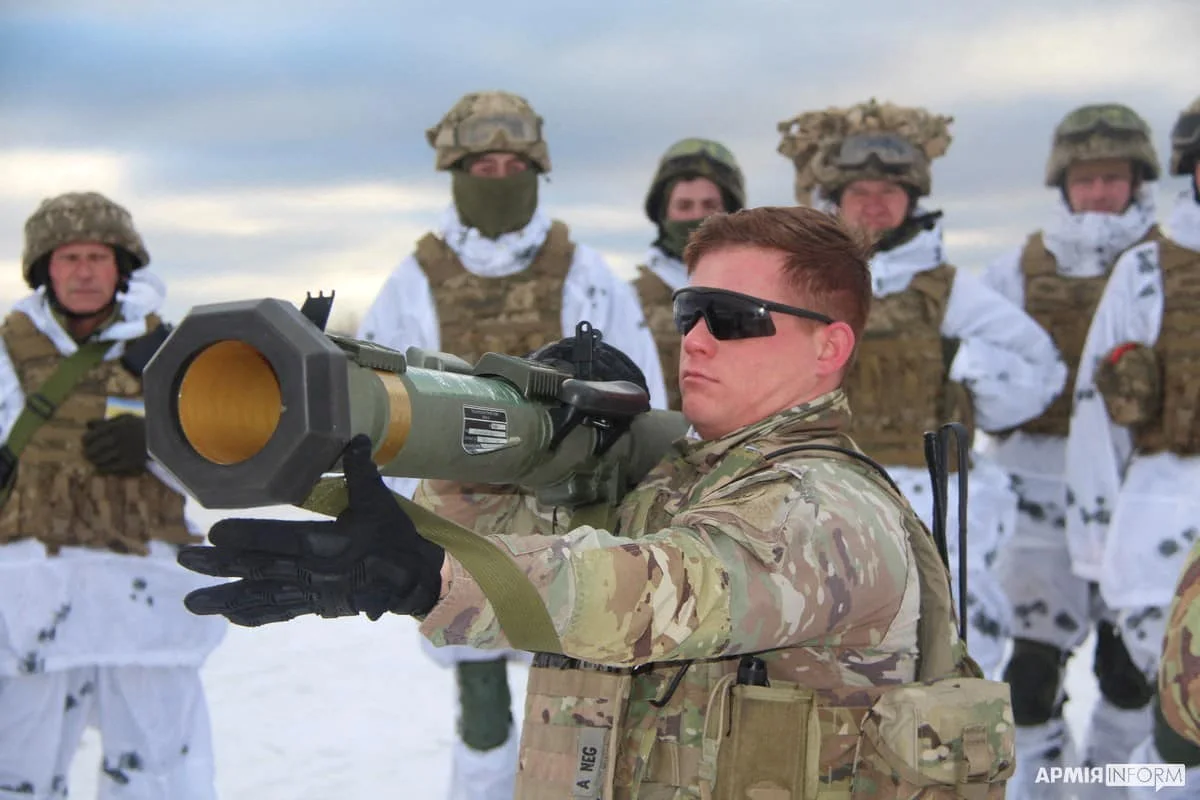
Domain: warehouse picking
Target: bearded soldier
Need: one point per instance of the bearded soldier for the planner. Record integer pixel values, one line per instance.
(939, 346)
(1101, 167)
(92, 626)
(1133, 465)
(695, 178)
(499, 275)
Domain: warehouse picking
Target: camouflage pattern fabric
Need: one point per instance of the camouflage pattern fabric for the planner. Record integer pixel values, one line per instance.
(1101, 144)
(897, 385)
(701, 158)
(482, 106)
(812, 139)
(1064, 307)
(58, 498)
(1177, 428)
(807, 561)
(79, 217)
(1179, 672)
(1185, 149)
(514, 314)
(1129, 380)
(655, 297)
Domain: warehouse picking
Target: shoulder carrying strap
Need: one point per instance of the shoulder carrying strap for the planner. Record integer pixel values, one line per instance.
(41, 405)
(557, 252)
(934, 661)
(1035, 259)
(652, 289)
(519, 609)
(833, 448)
(437, 260)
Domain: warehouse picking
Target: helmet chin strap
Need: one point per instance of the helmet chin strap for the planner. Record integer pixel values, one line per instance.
(75, 316)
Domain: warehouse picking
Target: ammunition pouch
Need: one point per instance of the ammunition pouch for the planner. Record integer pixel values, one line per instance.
(762, 742)
(947, 738)
(572, 730)
(1130, 382)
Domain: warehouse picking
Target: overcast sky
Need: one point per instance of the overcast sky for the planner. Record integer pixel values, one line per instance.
(269, 148)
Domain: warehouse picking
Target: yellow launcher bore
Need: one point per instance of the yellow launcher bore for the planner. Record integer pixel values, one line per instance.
(229, 402)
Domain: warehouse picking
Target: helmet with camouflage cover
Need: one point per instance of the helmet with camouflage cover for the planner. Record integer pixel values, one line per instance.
(79, 217)
(1101, 131)
(1185, 140)
(696, 158)
(869, 141)
(485, 122)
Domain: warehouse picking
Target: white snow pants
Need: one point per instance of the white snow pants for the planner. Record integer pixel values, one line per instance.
(153, 722)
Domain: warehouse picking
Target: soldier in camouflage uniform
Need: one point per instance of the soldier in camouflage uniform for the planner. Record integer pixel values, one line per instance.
(498, 275)
(1101, 167)
(1133, 455)
(939, 345)
(92, 626)
(1177, 724)
(695, 178)
(751, 620)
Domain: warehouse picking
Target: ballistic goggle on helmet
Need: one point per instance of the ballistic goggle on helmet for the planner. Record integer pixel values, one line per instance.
(1103, 131)
(1185, 140)
(487, 122)
(875, 155)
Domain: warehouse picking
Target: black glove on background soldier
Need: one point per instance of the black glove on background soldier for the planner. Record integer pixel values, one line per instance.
(117, 446)
(371, 559)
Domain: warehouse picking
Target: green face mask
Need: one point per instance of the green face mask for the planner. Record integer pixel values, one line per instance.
(675, 233)
(495, 206)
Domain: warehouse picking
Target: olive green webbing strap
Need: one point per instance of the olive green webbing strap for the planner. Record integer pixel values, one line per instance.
(519, 609)
(597, 515)
(41, 405)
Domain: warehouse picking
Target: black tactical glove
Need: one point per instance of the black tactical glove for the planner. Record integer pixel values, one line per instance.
(117, 446)
(371, 559)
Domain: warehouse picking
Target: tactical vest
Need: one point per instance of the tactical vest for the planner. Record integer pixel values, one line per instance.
(655, 295)
(58, 498)
(1177, 428)
(898, 386)
(603, 732)
(512, 315)
(1064, 307)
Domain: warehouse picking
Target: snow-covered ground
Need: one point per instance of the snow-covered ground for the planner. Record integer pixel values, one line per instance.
(350, 709)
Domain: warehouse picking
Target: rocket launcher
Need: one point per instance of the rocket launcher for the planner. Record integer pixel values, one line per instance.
(250, 403)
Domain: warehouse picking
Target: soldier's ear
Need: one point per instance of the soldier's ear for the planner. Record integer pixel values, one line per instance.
(835, 346)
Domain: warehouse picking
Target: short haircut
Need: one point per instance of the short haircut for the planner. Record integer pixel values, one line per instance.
(826, 262)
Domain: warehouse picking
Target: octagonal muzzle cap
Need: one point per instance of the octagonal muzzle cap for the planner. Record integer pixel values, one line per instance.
(247, 404)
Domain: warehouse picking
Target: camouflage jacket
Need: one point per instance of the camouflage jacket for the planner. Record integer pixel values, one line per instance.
(756, 535)
(1179, 673)
(727, 547)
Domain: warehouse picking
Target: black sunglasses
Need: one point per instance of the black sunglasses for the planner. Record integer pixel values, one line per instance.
(732, 315)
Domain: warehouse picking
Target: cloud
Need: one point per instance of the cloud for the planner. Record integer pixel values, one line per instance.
(31, 174)
(279, 146)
